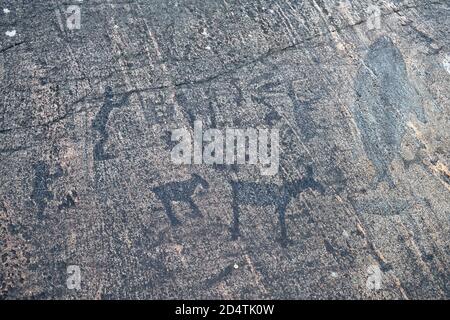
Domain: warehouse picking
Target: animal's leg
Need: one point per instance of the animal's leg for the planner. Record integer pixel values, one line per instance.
(282, 220)
(195, 209)
(170, 214)
(235, 227)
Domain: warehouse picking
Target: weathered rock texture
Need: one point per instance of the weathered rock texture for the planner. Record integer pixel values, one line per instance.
(86, 177)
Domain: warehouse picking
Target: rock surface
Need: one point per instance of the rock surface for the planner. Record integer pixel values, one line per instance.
(361, 105)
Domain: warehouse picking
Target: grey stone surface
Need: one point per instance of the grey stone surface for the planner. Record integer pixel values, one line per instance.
(85, 170)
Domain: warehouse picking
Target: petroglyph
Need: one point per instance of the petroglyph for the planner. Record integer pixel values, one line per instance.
(270, 194)
(100, 123)
(180, 191)
(386, 100)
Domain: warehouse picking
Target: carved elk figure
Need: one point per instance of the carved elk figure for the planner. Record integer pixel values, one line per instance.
(270, 194)
(180, 191)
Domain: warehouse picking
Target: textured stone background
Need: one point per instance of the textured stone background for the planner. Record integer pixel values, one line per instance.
(85, 124)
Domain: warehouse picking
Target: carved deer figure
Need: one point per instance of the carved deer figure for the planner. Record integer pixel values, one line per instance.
(270, 194)
(180, 191)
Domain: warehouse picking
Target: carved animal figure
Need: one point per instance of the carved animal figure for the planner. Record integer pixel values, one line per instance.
(101, 120)
(270, 194)
(386, 99)
(180, 191)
